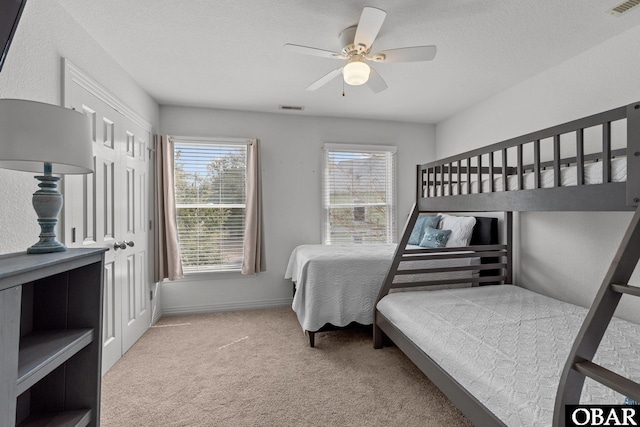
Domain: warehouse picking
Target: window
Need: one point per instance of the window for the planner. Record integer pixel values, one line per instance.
(358, 193)
(210, 180)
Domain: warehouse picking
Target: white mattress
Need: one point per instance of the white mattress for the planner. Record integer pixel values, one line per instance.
(339, 284)
(508, 346)
(568, 177)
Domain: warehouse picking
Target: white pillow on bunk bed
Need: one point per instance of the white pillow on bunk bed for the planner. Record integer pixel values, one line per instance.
(461, 229)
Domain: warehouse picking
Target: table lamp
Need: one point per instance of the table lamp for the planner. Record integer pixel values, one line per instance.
(37, 137)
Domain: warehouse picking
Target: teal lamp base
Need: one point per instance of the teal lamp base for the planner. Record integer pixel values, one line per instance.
(47, 203)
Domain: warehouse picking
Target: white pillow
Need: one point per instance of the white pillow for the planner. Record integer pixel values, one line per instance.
(461, 229)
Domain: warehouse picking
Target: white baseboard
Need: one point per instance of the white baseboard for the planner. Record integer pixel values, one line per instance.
(156, 316)
(234, 306)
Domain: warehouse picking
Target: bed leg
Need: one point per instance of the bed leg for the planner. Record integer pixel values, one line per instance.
(378, 337)
(312, 339)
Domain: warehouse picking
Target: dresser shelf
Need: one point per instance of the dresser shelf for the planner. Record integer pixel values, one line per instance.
(78, 418)
(42, 352)
(50, 347)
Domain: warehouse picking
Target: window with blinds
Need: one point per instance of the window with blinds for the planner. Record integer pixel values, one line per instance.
(358, 194)
(210, 185)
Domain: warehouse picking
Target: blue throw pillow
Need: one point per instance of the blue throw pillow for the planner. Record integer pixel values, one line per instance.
(435, 238)
(418, 230)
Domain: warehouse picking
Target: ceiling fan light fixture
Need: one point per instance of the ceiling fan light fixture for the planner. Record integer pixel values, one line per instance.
(356, 73)
(357, 41)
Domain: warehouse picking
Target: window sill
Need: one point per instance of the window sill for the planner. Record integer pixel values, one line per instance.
(200, 276)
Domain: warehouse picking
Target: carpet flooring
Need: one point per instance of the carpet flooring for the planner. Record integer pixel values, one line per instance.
(255, 368)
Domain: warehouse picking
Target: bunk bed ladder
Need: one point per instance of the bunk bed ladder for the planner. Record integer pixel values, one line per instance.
(579, 363)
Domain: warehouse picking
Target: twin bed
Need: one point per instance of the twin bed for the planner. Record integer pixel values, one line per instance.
(505, 355)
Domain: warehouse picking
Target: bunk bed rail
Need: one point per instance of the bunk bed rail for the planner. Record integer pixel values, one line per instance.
(493, 171)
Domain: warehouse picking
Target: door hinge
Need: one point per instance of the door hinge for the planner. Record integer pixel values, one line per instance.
(150, 225)
(151, 295)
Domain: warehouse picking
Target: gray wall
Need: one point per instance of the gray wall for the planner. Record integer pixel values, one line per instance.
(564, 255)
(45, 35)
(292, 165)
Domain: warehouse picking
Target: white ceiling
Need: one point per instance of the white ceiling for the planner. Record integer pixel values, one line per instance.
(228, 53)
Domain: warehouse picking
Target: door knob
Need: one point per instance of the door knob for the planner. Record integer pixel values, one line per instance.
(121, 245)
(130, 243)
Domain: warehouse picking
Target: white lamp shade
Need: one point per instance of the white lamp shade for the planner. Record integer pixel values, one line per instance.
(32, 133)
(356, 73)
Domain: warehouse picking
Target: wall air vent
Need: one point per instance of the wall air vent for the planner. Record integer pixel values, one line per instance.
(297, 107)
(623, 8)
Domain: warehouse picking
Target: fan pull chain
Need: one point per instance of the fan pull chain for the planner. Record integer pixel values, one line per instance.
(342, 87)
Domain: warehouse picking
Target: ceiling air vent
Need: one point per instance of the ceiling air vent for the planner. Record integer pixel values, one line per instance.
(296, 107)
(623, 7)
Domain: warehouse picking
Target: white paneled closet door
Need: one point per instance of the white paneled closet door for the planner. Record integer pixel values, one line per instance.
(136, 317)
(110, 209)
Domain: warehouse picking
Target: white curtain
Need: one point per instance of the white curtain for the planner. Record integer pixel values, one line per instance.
(167, 263)
(254, 256)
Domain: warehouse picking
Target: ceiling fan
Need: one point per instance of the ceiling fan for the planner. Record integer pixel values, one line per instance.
(357, 41)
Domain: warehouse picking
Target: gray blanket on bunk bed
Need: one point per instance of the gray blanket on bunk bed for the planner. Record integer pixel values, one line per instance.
(507, 346)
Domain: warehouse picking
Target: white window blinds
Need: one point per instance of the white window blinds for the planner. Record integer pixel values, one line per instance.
(210, 184)
(358, 194)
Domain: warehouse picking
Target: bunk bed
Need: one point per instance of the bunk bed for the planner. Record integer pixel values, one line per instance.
(505, 355)
(335, 286)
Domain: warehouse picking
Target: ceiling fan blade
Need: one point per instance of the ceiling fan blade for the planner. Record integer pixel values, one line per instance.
(313, 51)
(325, 79)
(406, 54)
(376, 82)
(369, 26)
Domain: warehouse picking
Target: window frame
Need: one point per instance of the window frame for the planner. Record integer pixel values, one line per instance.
(392, 187)
(203, 140)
